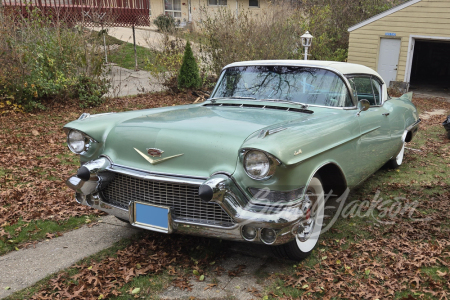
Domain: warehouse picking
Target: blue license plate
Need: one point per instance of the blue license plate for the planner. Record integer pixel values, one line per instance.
(152, 217)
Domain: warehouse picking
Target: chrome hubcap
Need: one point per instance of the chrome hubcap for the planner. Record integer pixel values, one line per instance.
(306, 226)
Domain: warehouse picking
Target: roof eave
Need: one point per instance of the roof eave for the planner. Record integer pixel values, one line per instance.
(383, 14)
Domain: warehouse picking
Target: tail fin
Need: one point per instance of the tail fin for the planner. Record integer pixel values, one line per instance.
(407, 96)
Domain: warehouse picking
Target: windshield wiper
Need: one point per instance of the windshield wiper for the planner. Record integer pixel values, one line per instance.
(232, 97)
(303, 105)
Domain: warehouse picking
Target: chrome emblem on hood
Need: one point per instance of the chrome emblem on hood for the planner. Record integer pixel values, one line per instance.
(155, 152)
(155, 161)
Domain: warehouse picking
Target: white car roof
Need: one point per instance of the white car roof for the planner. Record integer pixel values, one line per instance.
(341, 67)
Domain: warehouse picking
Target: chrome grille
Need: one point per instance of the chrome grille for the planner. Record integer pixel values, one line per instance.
(182, 198)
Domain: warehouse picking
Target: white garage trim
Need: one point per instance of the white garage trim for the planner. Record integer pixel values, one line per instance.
(410, 55)
(383, 14)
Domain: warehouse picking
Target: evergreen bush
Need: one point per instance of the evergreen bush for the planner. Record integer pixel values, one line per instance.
(189, 77)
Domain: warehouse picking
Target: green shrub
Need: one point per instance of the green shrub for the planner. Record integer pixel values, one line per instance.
(165, 23)
(189, 75)
(90, 91)
(165, 65)
(45, 61)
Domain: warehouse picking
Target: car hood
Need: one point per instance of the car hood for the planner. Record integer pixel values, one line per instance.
(209, 138)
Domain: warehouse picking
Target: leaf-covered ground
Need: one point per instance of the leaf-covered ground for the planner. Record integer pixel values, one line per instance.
(370, 253)
(34, 164)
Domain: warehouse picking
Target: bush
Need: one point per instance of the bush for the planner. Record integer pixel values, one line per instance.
(45, 61)
(188, 76)
(89, 91)
(166, 63)
(165, 23)
(273, 34)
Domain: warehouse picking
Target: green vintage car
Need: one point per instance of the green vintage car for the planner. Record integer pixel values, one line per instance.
(254, 161)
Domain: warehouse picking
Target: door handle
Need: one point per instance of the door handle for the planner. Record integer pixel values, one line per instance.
(385, 114)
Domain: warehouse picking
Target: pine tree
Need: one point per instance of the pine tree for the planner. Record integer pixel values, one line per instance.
(188, 77)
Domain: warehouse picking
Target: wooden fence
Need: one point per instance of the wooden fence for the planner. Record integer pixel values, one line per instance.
(110, 13)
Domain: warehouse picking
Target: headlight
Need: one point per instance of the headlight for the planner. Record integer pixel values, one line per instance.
(77, 141)
(257, 164)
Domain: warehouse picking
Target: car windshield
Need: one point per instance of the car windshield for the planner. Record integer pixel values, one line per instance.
(306, 85)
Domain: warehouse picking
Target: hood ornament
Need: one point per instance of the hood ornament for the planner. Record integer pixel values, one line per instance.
(156, 161)
(155, 152)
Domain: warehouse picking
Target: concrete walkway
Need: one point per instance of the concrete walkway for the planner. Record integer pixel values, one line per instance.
(147, 37)
(126, 82)
(23, 268)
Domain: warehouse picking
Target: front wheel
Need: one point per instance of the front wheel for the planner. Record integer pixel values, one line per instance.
(396, 162)
(308, 232)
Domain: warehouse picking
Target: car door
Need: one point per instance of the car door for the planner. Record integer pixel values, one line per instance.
(375, 141)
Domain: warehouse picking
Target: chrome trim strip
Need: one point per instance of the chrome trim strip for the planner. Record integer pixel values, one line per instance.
(415, 124)
(167, 177)
(263, 133)
(342, 108)
(235, 225)
(83, 116)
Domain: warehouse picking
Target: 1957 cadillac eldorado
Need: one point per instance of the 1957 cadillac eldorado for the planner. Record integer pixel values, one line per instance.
(251, 163)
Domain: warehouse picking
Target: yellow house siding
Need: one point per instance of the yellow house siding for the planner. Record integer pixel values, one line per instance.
(425, 18)
(157, 7)
(201, 6)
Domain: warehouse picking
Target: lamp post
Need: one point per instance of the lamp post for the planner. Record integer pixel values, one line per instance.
(306, 42)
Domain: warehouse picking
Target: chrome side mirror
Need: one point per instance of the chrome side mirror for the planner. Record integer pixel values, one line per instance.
(363, 105)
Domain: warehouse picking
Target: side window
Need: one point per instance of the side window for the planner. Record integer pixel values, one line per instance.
(364, 88)
(376, 91)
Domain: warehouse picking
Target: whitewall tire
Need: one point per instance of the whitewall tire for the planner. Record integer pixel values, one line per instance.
(307, 235)
(397, 161)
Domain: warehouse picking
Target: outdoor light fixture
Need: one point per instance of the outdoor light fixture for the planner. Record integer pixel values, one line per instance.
(306, 42)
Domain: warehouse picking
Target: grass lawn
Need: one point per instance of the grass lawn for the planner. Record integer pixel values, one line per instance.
(25, 234)
(124, 56)
(122, 53)
(369, 253)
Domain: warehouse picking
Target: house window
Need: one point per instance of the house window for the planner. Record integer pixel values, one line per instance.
(253, 3)
(172, 8)
(217, 2)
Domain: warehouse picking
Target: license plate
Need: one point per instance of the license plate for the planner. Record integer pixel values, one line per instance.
(151, 217)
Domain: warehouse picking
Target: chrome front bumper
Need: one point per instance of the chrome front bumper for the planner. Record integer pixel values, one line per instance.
(226, 193)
